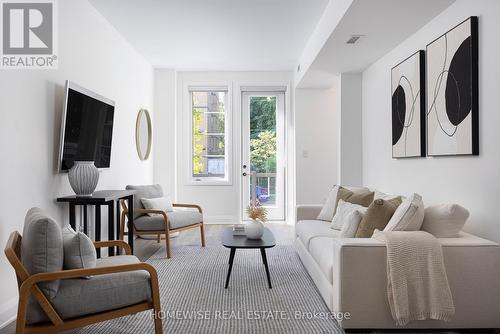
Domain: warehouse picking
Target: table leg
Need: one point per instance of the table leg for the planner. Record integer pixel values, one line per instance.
(72, 217)
(111, 226)
(231, 260)
(264, 259)
(85, 221)
(118, 217)
(98, 227)
(130, 224)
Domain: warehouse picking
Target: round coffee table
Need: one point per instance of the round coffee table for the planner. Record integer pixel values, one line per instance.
(234, 242)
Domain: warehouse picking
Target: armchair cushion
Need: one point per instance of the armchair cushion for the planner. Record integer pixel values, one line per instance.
(42, 247)
(79, 297)
(144, 191)
(150, 223)
(176, 219)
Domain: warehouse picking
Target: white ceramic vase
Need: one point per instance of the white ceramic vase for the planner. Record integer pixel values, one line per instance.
(83, 178)
(254, 229)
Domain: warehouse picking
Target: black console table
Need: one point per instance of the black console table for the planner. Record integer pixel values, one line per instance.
(110, 198)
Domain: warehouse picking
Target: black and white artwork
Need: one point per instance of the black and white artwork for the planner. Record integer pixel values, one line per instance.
(408, 107)
(452, 96)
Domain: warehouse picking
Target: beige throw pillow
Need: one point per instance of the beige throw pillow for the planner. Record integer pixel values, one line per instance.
(363, 198)
(408, 216)
(328, 210)
(377, 216)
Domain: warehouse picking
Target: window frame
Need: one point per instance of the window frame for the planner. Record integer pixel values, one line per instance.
(228, 161)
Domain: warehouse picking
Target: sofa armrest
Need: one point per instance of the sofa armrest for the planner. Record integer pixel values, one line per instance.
(360, 273)
(307, 211)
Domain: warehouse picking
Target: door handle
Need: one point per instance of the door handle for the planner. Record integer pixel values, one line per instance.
(244, 174)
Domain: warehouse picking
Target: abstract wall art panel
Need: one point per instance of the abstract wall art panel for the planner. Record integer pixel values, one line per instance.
(452, 92)
(408, 107)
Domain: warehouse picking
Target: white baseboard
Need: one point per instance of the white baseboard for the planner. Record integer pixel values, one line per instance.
(223, 220)
(8, 312)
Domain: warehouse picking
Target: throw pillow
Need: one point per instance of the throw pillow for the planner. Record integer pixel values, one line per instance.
(328, 210)
(408, 216)
(344, 210)
(79, 250)
(381, 195)
(363, 198)
(160, 203)
(445, 221)
(351, 224)
(377, 216)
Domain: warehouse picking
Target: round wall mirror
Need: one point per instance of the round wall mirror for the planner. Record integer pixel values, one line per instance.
(143, 134)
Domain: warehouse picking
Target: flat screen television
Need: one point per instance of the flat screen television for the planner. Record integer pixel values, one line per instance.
(87, 128)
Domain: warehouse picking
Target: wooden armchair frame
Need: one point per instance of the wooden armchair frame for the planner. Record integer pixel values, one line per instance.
(167, 230)
(28, 284)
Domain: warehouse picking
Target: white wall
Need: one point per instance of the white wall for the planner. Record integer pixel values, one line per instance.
(350, 146)
(473, 182)
(165, 129)
(316, 144)
(221, 203)
(94, 55)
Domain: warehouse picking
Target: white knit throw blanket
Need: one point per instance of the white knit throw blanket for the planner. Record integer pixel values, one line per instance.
(417, 286)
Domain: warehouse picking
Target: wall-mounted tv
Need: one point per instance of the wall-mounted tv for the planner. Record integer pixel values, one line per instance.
(87, 128)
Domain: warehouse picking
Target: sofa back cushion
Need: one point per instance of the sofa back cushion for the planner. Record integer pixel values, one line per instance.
(144, 191)
(377, 216)
(445, 220)
(42, 247)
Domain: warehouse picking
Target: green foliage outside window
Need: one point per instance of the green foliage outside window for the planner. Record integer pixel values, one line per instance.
(198, 147)
(263, 152)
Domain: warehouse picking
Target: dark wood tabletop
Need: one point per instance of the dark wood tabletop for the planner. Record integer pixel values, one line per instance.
(240, 241)
(98, 197)
(234, 242)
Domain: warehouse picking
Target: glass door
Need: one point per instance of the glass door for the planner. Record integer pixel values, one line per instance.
(263, 152)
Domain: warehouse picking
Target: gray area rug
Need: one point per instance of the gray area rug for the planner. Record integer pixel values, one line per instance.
(194, 299)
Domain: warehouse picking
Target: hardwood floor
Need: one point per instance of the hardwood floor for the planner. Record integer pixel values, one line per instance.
(145, 248)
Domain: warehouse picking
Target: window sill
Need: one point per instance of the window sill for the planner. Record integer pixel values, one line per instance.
(209, 182)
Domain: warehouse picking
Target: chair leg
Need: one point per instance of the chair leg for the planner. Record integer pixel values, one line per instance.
(158, 322)
(202, 232)
(21, 315)
(122, 225)
(155, 296)
(167, 241)
(158, 236)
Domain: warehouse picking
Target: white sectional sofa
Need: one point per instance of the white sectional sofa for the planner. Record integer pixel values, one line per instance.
(351, 275)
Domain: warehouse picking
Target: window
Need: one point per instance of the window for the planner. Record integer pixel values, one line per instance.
(209, 134)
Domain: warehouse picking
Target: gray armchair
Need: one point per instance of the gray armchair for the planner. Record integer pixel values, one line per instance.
(162, 223)
(52, 299)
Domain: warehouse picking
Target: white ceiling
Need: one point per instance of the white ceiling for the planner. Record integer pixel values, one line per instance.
(385, 24)
(216, 34)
